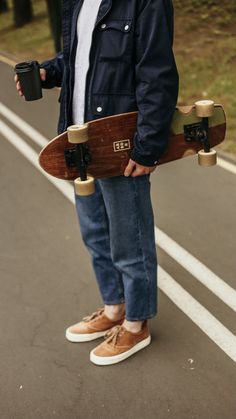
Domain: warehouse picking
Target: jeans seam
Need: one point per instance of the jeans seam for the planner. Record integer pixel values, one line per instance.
(120, 287)
(104, 224)
(140, 243)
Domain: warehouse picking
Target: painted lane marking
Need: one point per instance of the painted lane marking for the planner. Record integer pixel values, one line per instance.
(197, 269)
(32, 157)
(27, 129)
(209, 324)
(212, 327)
(226, 165)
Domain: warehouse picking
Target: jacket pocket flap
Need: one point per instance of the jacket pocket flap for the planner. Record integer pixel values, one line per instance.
(123, 25)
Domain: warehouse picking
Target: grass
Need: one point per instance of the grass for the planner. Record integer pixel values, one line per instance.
(32, 41)
(205, 51)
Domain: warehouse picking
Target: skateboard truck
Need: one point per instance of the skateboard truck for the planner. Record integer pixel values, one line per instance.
(79, 156)
(205, 109)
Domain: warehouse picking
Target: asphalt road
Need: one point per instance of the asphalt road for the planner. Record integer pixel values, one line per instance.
(47, 283)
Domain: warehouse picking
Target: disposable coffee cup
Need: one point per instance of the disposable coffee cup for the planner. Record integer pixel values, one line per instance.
(29, 78)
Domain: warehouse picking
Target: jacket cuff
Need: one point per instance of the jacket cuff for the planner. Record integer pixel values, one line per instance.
(49, 83)
(144, 160)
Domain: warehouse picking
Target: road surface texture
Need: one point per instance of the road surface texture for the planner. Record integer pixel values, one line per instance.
(47, 283)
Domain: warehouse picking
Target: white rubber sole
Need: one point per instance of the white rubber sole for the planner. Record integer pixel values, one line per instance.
(83, 337)
(109, 360)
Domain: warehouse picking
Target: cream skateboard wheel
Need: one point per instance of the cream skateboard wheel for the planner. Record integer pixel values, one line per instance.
(204, 108)
(84, 187)
(77, 134)
(207, 158)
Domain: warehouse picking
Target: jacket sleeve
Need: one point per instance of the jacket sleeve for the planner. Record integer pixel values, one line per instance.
(54, 71)
(157, 81)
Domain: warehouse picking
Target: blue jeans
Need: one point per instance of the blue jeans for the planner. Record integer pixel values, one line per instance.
(117, 227)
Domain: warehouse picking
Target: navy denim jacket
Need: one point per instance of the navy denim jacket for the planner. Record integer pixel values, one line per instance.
(132, 67)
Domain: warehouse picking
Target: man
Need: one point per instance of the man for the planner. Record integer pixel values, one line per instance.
(117, 57)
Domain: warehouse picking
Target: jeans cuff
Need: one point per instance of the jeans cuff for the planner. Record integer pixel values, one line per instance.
(113, 302)
(140, 318)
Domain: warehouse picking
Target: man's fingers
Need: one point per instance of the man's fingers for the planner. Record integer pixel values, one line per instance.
(18, 88)
(134, 169)
(142, 170)
(139, 172)
(43, 74)
(129, 168)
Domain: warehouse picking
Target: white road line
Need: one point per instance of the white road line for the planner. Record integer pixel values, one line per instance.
(32, 157)
(32, 133)
(215, 330)
(226, 165)
(191, 264)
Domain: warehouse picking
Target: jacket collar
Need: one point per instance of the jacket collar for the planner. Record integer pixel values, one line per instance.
(104, 8)
(74, 21)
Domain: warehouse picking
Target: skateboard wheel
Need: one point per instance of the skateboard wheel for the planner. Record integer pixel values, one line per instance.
(77, 134)
(207, 158)
(84, 187)
(204, 108)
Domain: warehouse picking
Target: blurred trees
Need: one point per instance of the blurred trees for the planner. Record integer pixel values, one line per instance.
(3, 6)
(191, 5)
(23, 13)
(54, 12)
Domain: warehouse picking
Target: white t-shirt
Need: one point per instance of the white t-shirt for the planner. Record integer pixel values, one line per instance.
(85, 25)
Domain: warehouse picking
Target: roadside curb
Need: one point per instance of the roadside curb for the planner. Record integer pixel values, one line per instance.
(8, 59)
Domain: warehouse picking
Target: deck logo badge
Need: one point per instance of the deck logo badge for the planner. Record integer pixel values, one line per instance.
(121, 145)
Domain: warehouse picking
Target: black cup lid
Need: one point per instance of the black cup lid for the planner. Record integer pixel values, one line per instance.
(26, 66)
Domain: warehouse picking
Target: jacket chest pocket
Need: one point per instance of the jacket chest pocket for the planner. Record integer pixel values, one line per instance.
(115, 38)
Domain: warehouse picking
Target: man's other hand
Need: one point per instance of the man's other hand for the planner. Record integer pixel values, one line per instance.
(134, 169)
(18, 86)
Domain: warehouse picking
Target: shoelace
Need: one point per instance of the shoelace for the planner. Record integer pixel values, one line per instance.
(113, 334)
(93, 315)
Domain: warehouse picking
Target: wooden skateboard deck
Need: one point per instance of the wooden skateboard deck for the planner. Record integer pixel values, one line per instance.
(110, 141)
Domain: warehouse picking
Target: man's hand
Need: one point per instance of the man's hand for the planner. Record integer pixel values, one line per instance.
(134, 169)
(18, 86)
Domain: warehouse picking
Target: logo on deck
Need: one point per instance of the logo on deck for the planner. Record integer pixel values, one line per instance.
(121, 145)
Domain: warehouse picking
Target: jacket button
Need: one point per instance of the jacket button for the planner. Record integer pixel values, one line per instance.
(99, 109)
(126, 27)
(103, 26)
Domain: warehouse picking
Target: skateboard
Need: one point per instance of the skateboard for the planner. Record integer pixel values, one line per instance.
(101, 148)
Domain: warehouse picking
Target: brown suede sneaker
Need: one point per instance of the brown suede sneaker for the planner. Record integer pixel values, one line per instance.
(91, 327)
(120, 344)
